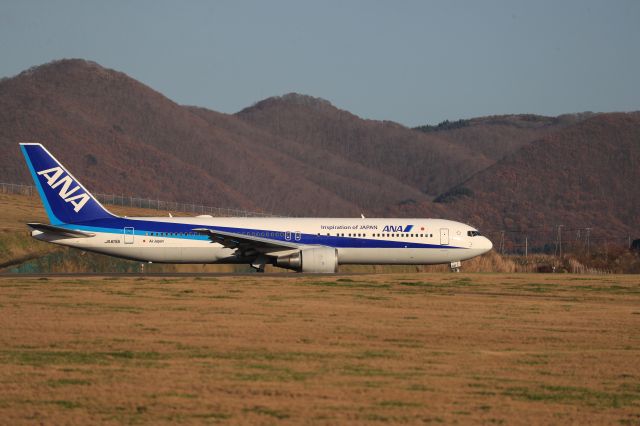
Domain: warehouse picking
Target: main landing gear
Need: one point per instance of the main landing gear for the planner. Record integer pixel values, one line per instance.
(260, 263)
(455, 266)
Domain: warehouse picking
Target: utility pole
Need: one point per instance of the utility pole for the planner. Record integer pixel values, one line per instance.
(560, 240)
(502, 242)
(526, 246)
(588, 245)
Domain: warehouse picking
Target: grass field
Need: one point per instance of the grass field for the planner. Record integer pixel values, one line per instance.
(374, 349)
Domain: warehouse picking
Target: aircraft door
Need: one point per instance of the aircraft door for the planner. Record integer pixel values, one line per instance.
(298, 235)
(444, 236)
(128, 235)
(287, 235)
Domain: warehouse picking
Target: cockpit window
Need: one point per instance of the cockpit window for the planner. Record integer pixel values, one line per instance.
(473, 233)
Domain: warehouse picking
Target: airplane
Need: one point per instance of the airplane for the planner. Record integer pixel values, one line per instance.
(313, 245)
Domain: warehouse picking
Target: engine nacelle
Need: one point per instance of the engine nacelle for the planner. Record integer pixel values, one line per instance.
(319, 260)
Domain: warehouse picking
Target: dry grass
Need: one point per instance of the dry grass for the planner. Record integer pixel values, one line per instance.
(398, 348)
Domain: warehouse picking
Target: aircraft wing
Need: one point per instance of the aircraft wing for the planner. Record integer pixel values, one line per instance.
(63, 232)
(247, 242)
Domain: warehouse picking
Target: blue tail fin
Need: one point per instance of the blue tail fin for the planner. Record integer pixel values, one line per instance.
(64, 198)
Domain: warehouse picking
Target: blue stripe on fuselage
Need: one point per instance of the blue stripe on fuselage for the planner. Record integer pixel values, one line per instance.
(116, 225)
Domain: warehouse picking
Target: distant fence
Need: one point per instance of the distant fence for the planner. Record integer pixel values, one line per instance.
(557, 240)
(143, 203)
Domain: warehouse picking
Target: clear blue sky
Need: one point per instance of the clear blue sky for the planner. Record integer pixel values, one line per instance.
(412, 62)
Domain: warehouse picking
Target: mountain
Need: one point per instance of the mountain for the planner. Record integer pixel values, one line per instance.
(116, 134)
(300, 155)
(103, 123)
(426, 162)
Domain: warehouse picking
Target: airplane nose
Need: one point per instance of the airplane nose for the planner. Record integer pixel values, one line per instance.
(488, 245)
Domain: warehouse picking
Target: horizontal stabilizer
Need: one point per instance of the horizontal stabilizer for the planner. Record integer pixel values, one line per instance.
(63, 232)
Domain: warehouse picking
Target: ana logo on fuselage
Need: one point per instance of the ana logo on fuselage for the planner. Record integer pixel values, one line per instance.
(399, 228)
(55, 179)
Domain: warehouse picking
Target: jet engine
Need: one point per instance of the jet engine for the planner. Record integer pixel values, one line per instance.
(322, 260)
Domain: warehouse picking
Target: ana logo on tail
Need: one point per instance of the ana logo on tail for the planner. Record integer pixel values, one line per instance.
(55, 179)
